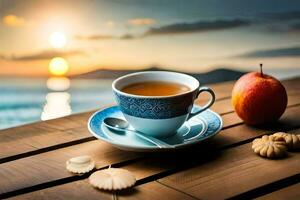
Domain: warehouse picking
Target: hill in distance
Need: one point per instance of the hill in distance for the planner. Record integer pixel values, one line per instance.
(214, 76)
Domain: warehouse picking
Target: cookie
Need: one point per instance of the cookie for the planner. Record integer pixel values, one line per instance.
(269, 146)
(292, 140)
(80, 164)
(112, 179)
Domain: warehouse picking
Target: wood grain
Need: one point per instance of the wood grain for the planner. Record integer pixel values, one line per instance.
(42, 135)
(224, 105)
(234, 171)
(291, 193)
(50, 166)
(39, 135)
(292, 85)
(222, 91)
(76, 190)
(15, 175)
(34, 170)
(232, 118)
(29, 139)
(82, 190)
(240, 159)
(288, 121)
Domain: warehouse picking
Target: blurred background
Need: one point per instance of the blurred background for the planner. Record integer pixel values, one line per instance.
(59, 57)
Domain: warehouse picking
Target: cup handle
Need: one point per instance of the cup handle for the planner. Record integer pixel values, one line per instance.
(208, 104)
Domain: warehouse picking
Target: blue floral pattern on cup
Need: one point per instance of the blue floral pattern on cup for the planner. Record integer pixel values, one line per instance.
(155, 108)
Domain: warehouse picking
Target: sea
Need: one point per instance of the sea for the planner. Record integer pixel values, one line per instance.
(27, 100)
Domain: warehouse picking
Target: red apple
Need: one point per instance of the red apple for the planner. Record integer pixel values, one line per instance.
(259, 98)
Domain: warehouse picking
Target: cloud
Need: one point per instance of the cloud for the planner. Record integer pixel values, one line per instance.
(44, 55)
(105, 37)
(141, 21)
(128, 37)
(177, 28)
(294, 28)
(95, 37)
(199, 26)
(15, 21)
(281, 22)
(283, 16)
(273, 53)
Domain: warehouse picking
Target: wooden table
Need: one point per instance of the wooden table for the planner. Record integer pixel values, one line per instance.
(33, 160)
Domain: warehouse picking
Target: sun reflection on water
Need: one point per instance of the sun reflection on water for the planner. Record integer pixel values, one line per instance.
(57, 105)
(58, 100)
(58, 83)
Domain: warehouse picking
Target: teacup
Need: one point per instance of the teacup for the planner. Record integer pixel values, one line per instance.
(159, 116)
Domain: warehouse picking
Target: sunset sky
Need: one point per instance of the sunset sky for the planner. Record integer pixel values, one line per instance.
(187, 35)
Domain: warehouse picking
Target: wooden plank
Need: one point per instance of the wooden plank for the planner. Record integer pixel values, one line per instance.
(238, 161)
(233, 172)
(291, 192)
(171, 162)
(78, 190)
(40, 135)
(230, 119)
(63, 123)
(229, 142)
(292, 85)
(27, 140)
(24, 141)
(294, 98)
(225, 106)
(10, 147)
(82, 190)
(50, 166)
(233, 135)
(222, 91)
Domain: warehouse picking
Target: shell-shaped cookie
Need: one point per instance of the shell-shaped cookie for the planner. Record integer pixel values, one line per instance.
(112, 179)
(292, 140)
(269, 146)
(80, 164)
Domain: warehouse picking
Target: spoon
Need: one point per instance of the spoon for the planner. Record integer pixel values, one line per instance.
(122, 125)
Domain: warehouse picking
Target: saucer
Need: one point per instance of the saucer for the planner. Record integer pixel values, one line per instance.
(197, 129)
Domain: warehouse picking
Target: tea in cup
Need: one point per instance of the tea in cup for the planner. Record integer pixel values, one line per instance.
(157, 103)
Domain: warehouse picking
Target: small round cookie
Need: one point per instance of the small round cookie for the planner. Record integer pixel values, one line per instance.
(269, 146)
(292, 140)
(80, 164)
(112, 179)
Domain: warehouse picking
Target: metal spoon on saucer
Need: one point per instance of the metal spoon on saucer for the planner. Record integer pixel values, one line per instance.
(122, 125)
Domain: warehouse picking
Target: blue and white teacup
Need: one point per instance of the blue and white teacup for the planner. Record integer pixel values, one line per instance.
(159, 116)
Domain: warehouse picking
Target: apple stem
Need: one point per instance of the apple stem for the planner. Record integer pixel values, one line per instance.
(261, 69)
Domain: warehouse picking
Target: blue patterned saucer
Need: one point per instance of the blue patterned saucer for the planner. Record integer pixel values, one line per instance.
(199, 128)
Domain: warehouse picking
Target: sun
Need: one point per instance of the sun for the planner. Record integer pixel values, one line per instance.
(57, 40)
(58, 66)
